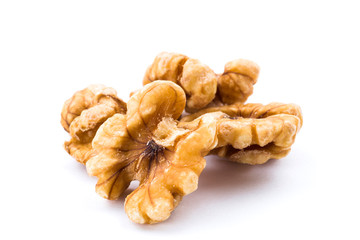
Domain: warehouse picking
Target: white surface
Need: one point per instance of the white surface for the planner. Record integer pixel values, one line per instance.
(308, 53)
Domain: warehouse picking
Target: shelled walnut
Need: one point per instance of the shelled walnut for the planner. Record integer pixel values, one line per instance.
(202, 86)
(255, 141)
(147, 144)
(83, 114)
(255, 133)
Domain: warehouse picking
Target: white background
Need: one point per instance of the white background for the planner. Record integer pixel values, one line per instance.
(308, 52)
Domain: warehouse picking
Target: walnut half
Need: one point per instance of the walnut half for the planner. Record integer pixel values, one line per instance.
(202, 86)
(83, 114)
(255, 141)
(149, 145)
(254, 133)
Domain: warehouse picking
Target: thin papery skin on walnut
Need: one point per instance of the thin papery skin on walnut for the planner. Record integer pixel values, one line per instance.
(149, 145)
(251, 133)
(83, 114)
(202, 86)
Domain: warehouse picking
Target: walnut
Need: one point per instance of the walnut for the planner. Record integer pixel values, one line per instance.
(83, 114)
(198, 80)
(202, 86)
(255, 141)
(148, 144)
(255, 133)
(235, 85)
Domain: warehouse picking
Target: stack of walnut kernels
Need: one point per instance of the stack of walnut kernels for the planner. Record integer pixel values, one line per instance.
(149, 139)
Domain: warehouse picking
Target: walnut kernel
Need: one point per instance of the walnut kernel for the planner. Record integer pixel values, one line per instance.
(148, 144)
(83, 114)
(254, 133)
(202, 86)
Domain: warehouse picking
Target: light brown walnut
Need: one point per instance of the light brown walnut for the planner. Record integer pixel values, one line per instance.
(235, 85)
(202, 86)
(255, 141)
(149, 145)
(255, 133)
(83, 114)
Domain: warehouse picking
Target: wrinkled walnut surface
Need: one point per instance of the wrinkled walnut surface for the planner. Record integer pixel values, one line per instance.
(255, 133)
(202, 86)
(83, 114)
(235, 85)
(255, 141)
(149, 145)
